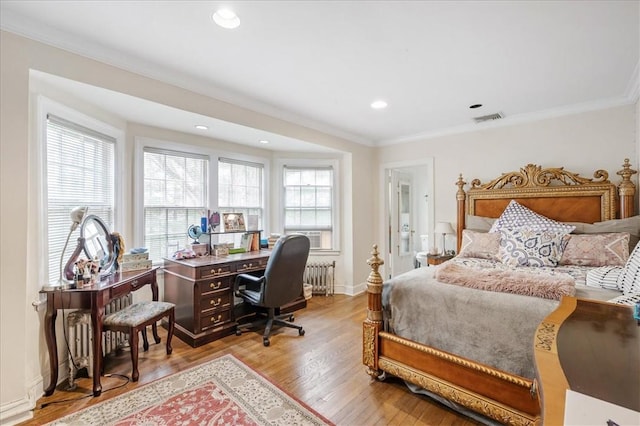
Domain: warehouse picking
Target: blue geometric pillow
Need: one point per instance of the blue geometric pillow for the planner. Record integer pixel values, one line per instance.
(525, 247)
(517, 216)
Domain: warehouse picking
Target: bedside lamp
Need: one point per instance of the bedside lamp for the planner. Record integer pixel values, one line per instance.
(443, 228)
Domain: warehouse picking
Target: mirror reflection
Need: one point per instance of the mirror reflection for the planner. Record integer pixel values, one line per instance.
(98, 243)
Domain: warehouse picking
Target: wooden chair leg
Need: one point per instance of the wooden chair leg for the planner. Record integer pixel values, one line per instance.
(134, 354)
(170, 331)
(154, 328)
(145, 341)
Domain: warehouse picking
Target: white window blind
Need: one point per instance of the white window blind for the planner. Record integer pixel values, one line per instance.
(308, 204)
(175, 197)
(240, 188)
(80, 172)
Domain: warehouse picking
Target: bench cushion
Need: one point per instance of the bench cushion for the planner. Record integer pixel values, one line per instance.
(136, 314)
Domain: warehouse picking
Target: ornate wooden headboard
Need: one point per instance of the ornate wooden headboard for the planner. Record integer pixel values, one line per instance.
(553, 192)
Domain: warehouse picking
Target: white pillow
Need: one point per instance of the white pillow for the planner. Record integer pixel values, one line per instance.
(517, 216)
(605, 277)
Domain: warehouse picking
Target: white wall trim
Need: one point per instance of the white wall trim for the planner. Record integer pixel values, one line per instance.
(633, 88)
(19, 411)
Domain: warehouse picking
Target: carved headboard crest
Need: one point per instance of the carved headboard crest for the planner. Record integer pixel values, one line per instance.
(532, 175)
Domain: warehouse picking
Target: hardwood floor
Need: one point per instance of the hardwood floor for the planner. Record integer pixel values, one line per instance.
(323, 368)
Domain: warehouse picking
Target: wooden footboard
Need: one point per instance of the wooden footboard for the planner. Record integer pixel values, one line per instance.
(501, 396)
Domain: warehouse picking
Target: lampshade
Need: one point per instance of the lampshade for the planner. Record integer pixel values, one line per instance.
(443, 228)
(76, 215)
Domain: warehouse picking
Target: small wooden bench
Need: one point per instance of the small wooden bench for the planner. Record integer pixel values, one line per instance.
(136, 318)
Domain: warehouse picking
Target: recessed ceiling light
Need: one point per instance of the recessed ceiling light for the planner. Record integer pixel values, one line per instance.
(379, 104)
(226, 19)
(474, 106)
(201, 127)
(264, 141)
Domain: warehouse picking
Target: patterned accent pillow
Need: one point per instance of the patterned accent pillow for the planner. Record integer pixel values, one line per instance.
(626, 299)
(596, 249)
(605, 277)
(517, 216)
(526, 247)
(480, 245)
(630, 278)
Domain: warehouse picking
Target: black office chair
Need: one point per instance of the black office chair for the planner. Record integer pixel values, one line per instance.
(280, 284)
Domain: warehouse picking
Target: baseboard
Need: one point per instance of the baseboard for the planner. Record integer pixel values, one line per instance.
(19, 411)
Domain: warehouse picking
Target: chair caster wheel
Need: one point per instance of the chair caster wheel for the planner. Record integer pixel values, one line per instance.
(301, 332)
(265, 342)
(292, 318)
(238, 333)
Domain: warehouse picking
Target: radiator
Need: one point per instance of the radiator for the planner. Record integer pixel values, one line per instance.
(80, 338)
(321, 277)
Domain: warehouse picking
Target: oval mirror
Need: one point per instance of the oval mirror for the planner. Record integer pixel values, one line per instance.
(98, 243)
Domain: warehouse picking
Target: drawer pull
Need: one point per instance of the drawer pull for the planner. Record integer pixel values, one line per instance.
(215, 302)
(215, 286)
(214, 271)
(216, 320)
(245, 266)
(134, 283)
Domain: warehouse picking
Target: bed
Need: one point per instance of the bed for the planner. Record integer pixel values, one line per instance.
(433, 335)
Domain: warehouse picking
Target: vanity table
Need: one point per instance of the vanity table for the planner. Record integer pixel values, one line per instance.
(94, 298)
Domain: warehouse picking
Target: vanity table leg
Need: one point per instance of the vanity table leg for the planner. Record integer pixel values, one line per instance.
(96, 325)
(52, 346)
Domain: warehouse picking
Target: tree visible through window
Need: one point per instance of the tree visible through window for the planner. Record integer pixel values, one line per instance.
(308, 204)
(175, 197)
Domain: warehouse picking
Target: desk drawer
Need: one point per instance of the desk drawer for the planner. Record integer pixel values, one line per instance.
(220, 300)
(251, 265)
(215, 319)
(209, 286)
(213, 270)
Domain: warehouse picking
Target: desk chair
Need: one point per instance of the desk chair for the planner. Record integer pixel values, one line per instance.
(135, 318)
(280, 284)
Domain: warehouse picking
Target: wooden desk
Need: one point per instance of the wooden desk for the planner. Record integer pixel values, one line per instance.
(590, 347)
(202, 290)
(94, 298)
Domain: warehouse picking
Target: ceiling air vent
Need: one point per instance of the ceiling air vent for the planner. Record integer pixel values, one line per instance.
(489, 117)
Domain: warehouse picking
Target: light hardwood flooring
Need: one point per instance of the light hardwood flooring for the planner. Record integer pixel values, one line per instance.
(323, 369)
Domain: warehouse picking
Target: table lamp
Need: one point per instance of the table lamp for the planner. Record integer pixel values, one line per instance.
(443, 228)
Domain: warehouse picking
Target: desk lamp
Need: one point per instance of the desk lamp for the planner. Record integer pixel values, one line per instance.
(77, 214)
(443, 228)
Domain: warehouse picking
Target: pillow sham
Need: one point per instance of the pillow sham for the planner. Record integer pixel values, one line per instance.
(481, 245)
(630, 225)
(629, 281)
(526, 247)
(517, 216)
(610, 249)
(478, 223)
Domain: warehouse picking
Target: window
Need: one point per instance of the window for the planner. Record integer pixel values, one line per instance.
(80, 171)
(308, 204)
(175, 197)
(240, 189)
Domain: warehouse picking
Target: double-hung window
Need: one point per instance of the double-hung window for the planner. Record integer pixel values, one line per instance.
(175, 197)
(240, 189)
(309, 204)
(80, 170)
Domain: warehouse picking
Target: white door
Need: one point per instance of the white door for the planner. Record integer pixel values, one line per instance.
(401, 226)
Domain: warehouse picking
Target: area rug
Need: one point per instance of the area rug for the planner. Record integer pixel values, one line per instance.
(220, 392)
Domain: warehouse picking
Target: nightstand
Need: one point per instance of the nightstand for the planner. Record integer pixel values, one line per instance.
(436, 259)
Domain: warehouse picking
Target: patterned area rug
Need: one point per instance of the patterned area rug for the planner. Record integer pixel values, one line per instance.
(221, 392)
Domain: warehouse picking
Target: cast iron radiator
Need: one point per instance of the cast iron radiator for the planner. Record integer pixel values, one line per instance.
(80, 337)
(321, 277)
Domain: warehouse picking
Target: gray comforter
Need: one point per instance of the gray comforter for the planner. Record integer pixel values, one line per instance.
(496, 329)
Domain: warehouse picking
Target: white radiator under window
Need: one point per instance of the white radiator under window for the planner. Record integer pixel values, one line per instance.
(80, 338)
(321, 277)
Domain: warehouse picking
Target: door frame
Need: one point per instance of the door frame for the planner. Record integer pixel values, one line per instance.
(419, 168)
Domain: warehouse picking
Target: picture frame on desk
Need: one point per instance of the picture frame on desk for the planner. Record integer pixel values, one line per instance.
(233, 222)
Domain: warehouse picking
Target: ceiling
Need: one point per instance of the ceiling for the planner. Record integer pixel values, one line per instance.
(322, 63)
